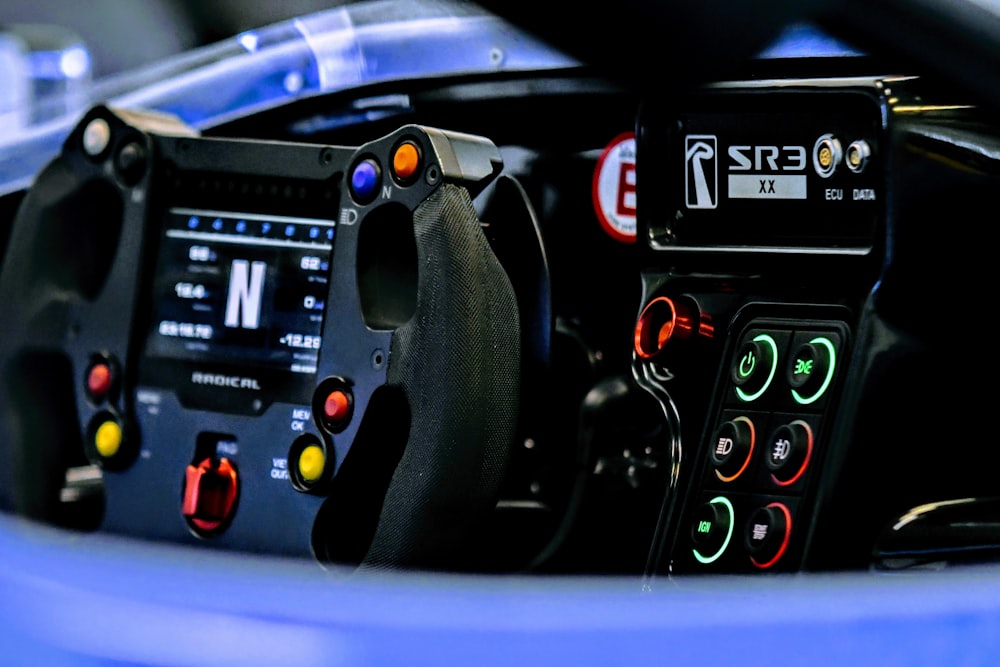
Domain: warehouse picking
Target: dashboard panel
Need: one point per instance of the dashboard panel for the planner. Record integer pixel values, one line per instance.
(517, 323)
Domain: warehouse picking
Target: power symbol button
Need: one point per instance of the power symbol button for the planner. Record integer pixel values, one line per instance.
(747, 364)
(754, 367)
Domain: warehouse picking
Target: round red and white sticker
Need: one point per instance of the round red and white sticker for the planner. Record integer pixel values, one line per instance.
(613, 189)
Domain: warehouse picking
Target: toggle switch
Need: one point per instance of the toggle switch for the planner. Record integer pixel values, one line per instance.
(665, 320)
(210, 492)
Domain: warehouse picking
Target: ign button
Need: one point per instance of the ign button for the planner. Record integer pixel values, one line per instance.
(712, 530)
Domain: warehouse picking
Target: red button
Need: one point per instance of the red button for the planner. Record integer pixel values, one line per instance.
(337, 406)
(210, 491)
(99, 380)
(768, 533)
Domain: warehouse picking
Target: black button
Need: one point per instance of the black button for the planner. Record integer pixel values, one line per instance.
(804, 366)
(766, 534)
(131, 163)
(753, 368)
(711, 529)
(711, 523)
(788, 451)
(732, 448)
(810, 369)
(747, 363)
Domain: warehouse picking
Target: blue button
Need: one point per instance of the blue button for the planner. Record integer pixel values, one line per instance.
(365, 180)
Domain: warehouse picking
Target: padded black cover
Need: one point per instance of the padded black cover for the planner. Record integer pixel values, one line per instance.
(457, 361)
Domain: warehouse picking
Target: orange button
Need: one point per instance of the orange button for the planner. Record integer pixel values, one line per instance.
(406, 161)
(337, 406)
(99, 380)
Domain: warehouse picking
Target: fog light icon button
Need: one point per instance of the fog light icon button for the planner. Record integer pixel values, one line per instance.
(789, 452)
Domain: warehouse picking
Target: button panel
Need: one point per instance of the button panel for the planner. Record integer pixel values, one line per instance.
(762, 448)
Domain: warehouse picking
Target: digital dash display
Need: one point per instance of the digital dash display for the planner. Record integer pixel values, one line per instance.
(241, 289)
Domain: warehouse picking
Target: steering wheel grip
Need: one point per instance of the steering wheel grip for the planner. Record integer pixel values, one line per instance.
(457, 360)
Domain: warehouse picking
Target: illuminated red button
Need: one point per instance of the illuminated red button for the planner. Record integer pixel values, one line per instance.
(789, 452)
(767, 534)
(337, 407)
(210, 491)
(99, 380)
(406, 161)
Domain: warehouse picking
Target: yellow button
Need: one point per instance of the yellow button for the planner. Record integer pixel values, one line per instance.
(311, 463)
(406, 160)
(108, 439)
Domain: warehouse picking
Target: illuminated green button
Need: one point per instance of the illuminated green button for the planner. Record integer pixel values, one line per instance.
(312, 461)
(804, 366)
(108, 438)
(810, 370)
(712, 529)
(754, 366)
